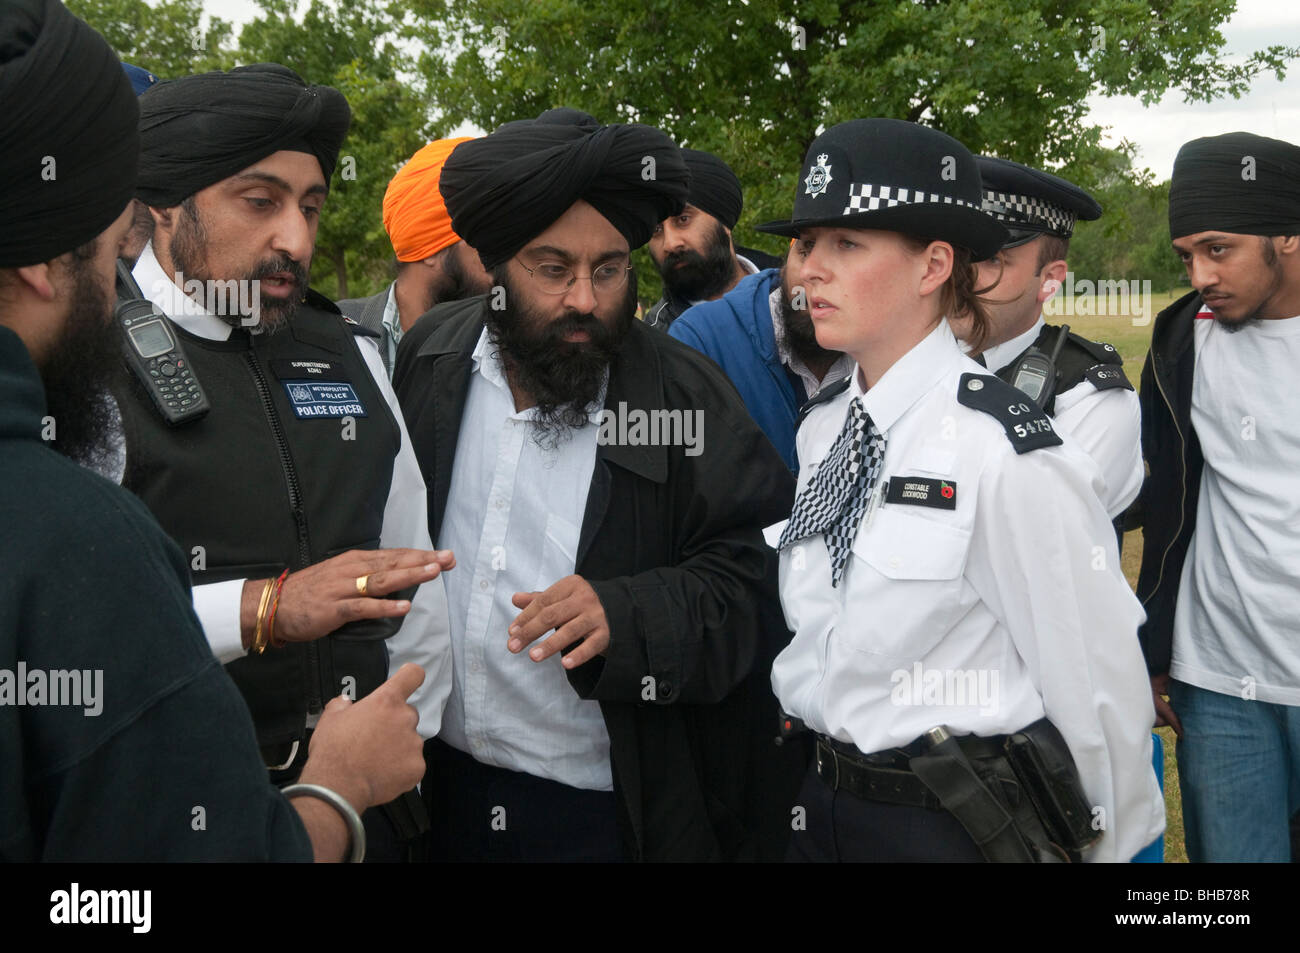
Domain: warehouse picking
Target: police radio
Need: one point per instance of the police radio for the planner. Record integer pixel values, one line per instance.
(1035, 373)
(154, 354)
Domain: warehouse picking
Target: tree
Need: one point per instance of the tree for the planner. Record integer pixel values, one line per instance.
(1131, 239)
(356, 51)
(168, 40)
(756, 80)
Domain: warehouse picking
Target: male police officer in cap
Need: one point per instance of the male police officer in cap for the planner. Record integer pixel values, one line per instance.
(1085, 390)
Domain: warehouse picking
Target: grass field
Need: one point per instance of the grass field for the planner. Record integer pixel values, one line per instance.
(1132, 342)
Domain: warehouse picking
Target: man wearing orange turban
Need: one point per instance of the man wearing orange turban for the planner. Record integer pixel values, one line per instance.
(433, 264)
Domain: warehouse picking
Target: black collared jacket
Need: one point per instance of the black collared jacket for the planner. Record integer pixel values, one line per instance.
(672, 545)
(1173, 485)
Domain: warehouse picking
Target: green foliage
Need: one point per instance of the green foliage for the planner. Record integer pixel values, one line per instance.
(167, 40)
(1131, 239)
(355, 50)
(756, 80)
(751, 80)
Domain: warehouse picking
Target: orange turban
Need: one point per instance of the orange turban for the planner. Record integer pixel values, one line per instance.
(415, 215)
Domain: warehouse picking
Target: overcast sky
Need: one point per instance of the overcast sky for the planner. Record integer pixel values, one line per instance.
(1271, 108)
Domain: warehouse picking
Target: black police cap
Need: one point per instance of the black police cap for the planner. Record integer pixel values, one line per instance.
(1032, 203)
(895, 176)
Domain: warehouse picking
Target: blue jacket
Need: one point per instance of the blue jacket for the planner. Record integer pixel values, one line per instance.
(736, 331)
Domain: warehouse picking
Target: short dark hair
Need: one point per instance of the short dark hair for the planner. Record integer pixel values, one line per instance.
(1053, 248)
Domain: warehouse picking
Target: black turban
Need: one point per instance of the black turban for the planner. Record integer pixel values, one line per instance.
(507, 188)
(714, 187)
(1238, 183)
(197, 130)
(68, 141)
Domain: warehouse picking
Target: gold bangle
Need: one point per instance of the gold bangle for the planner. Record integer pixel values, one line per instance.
(259, 642)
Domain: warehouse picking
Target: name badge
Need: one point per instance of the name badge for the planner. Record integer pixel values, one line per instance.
(922, 491)
(330, 399)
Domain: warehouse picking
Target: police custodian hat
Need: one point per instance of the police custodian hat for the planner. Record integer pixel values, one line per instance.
(895, 176)
(1032, 203)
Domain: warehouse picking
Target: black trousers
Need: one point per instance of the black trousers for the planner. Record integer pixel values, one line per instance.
(843, 828)
(482, 813)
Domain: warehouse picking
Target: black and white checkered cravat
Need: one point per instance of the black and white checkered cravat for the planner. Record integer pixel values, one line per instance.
(835, 498)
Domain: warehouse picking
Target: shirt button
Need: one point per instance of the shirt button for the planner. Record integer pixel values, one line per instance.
(498, 503)
(483, 584)
(665, 689)
(895, 562)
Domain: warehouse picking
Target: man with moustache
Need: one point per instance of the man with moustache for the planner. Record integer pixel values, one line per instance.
(607, 701)
(1220, 576)
(769, 349)
(296, 497)
(161, 763)
(693, 249)
(433, 264)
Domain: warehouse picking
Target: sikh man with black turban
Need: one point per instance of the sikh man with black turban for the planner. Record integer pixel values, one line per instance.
(693, 250)
(121, 739)
(612, 616)
(1220, 575)
(297, 496)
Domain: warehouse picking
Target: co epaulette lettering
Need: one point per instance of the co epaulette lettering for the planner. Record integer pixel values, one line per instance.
(1026, 426)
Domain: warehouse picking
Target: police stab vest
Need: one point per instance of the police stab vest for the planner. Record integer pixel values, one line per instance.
(291, 466)
(1079, 360)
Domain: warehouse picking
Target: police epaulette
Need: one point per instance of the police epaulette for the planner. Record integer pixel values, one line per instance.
(827, 393)
(1027, 427)
(1107, 376)
(1101, 351)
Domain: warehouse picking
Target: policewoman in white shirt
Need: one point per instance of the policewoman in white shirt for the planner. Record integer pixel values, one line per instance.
(965, 644)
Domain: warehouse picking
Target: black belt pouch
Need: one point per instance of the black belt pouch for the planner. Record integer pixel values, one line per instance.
(1046, 771)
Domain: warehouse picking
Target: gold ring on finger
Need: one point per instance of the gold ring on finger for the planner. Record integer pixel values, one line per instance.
(362, 582)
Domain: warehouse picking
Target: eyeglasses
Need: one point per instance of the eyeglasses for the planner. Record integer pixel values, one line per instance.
(556, 279)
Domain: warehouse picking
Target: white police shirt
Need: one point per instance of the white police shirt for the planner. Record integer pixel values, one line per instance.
(984, 616)
(1106, 424)
(424, 637)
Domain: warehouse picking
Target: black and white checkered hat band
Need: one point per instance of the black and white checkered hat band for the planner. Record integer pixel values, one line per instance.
(871, 198)
(1026, 210)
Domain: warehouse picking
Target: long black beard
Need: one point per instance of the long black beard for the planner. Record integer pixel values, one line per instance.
(702, 277)
(564, 378)
(80, 372)
(188, 248)
(800, 335)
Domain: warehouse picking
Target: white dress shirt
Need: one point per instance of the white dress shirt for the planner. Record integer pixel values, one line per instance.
(423, 637)
(1235, 624)
(514, 512)
(1014, 599)
(1107, 424)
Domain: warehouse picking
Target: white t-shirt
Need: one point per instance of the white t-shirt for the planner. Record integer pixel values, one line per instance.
(1237, 626)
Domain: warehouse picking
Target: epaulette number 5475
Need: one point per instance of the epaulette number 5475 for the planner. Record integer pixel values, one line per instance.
(1029, 427)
